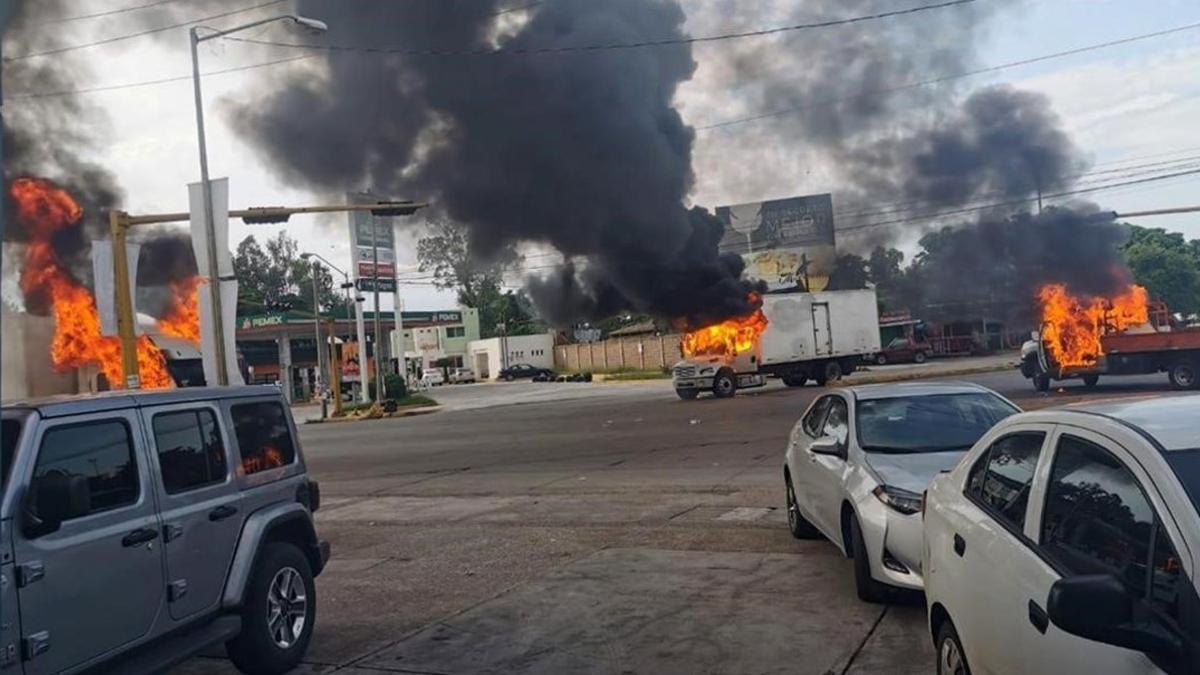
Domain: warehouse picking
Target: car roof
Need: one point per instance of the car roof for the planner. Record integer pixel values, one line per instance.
(1169, 420)
(868, 392)
(75, 404)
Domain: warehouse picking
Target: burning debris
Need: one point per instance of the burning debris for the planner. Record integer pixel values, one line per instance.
(43, 211)
(1072, 325)
(730, 337)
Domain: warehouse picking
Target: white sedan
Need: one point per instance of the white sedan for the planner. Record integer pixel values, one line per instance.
(1067, 541)
(859, 459)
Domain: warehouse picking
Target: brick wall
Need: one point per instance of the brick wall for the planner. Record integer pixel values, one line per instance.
(629, 353)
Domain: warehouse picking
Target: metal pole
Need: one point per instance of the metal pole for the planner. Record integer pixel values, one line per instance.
(126, 330)
(335, 374)
(1157, 212)
(316, 268)
(210, 228)
(378, 329)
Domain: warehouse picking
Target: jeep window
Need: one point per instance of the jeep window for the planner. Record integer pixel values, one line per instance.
(263, 435)
(100, 451)
(10, 433)
(189, 447)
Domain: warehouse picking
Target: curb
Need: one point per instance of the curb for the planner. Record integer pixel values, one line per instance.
(404, 412)
(918, 375)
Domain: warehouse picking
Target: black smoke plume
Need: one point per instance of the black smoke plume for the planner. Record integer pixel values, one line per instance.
(52, 137)
(584, 152)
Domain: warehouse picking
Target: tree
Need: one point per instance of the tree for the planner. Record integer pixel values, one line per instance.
(278, 278)
(849, 273)
(1167, 265)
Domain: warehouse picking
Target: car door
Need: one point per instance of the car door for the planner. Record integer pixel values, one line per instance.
(827, 472)
(1098, 517)
(804, 478)
(199, 500)
(988, 549)
(96, 584)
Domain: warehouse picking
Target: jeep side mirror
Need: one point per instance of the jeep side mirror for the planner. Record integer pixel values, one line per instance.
(827, 445)
(53, 498)
(1099, 607)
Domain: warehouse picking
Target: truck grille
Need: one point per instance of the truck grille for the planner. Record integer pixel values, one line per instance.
(685, 371)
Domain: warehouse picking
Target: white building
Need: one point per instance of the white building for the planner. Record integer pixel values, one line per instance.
(433, 336)
(489, 357)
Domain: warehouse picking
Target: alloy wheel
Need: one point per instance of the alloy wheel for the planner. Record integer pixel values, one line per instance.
(287, 607)
(950, 660)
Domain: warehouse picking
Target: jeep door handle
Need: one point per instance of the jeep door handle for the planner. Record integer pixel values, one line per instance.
(139, 536)
(222, 512)
(960, 545)
(1038, 617)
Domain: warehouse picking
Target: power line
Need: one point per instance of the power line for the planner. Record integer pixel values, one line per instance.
(607, 46)
(150, 31)
(947, 78)
(110, 12)
(147, 83)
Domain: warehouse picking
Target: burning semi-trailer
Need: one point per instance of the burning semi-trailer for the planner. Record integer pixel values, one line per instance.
(1085, 337)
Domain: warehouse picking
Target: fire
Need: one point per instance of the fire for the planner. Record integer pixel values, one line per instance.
(183, 319)
(732, 336)
(1072, 325)
(45, 209)
(270, 459)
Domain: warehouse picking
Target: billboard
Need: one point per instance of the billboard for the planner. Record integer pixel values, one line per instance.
(788, 243)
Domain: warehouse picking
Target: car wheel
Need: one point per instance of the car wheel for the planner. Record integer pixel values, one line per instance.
(868, 589)
(1090, 381)
(687, 394)
(507, 378)
(881, 359)
(278, 614)
(1182, 375)
(919, 357)
(724, 385)
(951, 659)
(800, 527)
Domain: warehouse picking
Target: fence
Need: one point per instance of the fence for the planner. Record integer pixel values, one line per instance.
(647, 352)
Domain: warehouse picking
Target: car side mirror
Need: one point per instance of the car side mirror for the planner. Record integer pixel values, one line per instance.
(827, 445)
(53, 498)
(1099, 607)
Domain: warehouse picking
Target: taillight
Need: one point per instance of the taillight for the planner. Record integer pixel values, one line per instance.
(309, 494)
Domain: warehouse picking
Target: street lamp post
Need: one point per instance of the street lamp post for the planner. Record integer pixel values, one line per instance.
(316, 272)
(210, 228)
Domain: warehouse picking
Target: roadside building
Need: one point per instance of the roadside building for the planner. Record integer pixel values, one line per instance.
(437, 337)
(489, 357)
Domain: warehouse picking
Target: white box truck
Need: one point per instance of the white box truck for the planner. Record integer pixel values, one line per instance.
(809, 336)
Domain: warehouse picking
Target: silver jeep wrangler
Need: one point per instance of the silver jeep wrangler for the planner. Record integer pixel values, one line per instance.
(139, 528)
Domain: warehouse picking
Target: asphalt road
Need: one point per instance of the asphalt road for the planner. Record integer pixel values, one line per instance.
(623, 532)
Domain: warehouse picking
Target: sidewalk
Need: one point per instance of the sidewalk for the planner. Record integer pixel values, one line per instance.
(944, 367)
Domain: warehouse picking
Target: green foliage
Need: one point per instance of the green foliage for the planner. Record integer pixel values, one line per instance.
(277, 275)
(849, 273)
(1167, 265)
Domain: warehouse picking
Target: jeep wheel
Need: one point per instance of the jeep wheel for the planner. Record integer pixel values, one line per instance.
(278, 613)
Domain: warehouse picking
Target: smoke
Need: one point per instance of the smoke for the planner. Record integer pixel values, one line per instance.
(55, 137)
(584, 152)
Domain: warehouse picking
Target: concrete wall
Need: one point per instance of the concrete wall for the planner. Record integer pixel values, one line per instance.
(536, 350)
(27, 371)
(639, 352)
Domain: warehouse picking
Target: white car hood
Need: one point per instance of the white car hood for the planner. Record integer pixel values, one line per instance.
(912, 471)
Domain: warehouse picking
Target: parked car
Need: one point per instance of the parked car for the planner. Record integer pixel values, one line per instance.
(521, 371)
(859, 459)
(903, 350)
(462, 376)
(431, 377)
(140, 528)
(1068, 541)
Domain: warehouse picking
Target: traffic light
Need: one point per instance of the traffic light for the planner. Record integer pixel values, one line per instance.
(395, 208)
(266, 215)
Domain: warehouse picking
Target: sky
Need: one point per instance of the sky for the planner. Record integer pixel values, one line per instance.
(1127, 104)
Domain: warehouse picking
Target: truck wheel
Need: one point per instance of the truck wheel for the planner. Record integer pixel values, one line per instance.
(881, 359)
(832, 370)
(724, 384)
(795, 380)
(1041, 381)
(1090, 381)
(919, 357)
(687, 394)
(278, 614)
(1182, 375)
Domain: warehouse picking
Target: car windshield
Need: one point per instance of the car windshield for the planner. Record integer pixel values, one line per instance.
(937, 423)
(1186, 464)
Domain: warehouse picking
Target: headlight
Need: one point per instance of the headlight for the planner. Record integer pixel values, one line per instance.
(708, 371)
(903, 501)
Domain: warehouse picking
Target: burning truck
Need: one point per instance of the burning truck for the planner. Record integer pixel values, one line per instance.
(794, 336)
(1127, 334)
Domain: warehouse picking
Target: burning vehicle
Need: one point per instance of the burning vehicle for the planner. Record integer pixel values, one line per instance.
(794, 336)
(1126, 334)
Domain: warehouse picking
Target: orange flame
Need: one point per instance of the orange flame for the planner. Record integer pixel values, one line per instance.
(270, 459)
(732, 336)
(1072, 325)
(183, 318)
(44, 209)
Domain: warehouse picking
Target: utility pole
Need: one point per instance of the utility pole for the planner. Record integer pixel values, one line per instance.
(378, 323)
(320, 371)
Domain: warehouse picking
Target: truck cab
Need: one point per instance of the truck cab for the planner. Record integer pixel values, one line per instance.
(719, 372)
